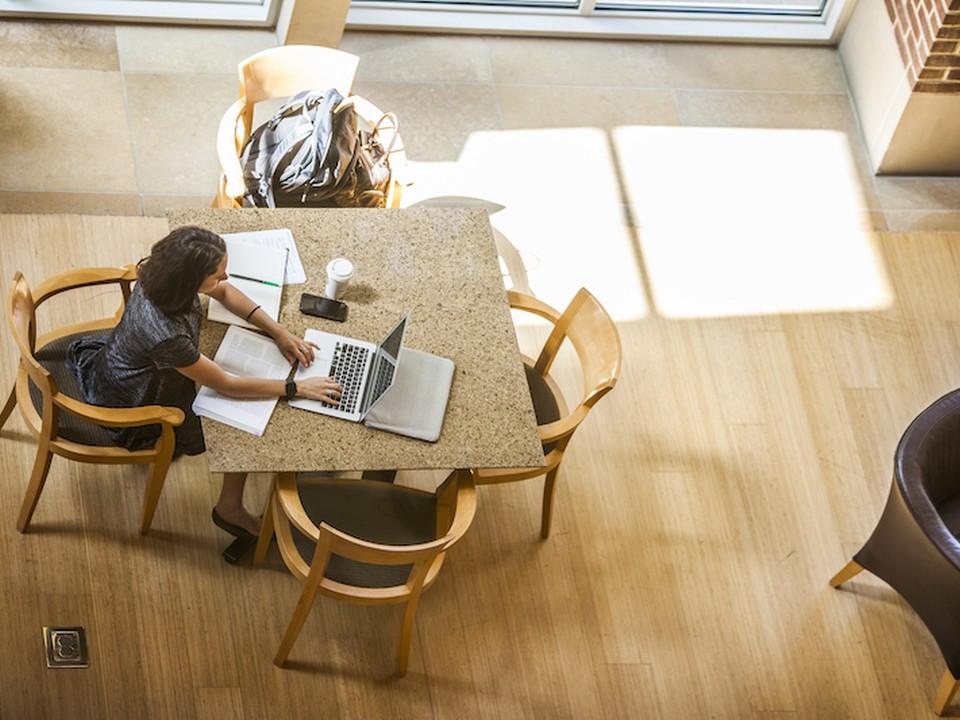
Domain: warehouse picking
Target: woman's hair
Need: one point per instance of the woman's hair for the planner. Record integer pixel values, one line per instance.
(177, 266)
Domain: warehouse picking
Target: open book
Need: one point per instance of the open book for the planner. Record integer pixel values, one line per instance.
(258, 272)
(245, 354)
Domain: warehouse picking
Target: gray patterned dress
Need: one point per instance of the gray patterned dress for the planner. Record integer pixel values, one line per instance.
(136, 365)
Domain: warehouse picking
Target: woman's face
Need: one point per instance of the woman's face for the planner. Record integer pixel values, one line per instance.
(211, 281)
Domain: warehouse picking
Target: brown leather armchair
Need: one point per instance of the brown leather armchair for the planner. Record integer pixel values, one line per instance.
(915, 546)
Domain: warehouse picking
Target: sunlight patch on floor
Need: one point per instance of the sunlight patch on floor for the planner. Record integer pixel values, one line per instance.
(562, 212)
(736, 221)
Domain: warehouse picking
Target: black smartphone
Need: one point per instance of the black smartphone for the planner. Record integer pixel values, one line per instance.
(323, 307)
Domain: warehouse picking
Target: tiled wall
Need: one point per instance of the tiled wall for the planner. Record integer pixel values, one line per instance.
(928, 35)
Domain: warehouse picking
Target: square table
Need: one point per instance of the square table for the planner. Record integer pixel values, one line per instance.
(440, 265)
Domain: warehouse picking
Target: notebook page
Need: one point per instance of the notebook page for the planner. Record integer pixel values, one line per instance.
(281, 239)
(266, 296)
(265, 264)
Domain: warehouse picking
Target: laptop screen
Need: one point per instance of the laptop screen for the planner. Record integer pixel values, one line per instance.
(384, 365)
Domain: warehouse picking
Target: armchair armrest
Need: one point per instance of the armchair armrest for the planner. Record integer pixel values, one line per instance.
(528, 303)
(84, 277)
(465, 510)
(120, 417)
(559, 429)
(227, 151)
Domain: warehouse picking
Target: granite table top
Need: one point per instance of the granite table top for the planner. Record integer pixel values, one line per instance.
(440, 265)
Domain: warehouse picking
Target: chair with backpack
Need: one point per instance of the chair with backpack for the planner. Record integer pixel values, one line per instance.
(323, 148)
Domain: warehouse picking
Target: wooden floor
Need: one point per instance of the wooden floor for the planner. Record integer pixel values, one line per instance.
(702, 508)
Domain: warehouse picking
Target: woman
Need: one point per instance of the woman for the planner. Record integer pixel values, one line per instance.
(152, 357)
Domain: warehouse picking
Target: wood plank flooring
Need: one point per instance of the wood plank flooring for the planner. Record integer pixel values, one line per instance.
(701, 510)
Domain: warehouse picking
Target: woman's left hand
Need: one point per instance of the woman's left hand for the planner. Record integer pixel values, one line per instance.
(295, 349)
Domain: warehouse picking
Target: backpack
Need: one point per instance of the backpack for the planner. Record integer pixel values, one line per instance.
(314, 153)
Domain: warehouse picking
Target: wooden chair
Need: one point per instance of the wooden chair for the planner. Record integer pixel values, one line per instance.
(47, 393)
(282, 72)
(363, 541)
(596, 341)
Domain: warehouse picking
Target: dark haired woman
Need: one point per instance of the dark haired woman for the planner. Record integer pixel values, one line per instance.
(152, 357)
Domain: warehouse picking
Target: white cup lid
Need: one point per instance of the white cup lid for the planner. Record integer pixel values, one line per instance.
(340, 268)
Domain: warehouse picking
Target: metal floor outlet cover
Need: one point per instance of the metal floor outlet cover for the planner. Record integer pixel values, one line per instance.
(66, 647)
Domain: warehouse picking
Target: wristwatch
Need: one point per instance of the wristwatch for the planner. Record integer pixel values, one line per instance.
(291, 389)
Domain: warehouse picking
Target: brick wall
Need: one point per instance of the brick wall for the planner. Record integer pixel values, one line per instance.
(928, 35)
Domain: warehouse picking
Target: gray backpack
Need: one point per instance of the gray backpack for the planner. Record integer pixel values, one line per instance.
(310, 155)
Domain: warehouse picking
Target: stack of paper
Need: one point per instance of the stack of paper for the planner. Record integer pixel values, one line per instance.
(245, 354)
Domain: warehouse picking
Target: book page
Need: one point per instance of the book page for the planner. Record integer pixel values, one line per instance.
(251, 416)
(250, 354)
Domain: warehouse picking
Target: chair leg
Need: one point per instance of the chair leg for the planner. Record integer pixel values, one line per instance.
(849, 570)
(266, 533)
(300, 614)
(41, 466)
(158, 474)
(406, 634)
(948, 688)
(8, 408)
(549, 492)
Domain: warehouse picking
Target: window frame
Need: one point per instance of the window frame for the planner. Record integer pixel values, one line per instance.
(256, 13)
(586, 22)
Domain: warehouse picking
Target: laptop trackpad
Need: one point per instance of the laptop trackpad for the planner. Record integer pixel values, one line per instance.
(416, 402)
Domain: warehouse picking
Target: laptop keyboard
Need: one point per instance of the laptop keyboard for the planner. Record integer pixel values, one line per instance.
(347, 369)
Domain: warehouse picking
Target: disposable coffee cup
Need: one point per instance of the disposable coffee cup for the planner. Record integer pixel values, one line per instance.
(339, 272)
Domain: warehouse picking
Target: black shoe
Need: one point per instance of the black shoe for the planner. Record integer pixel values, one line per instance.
(235, 530)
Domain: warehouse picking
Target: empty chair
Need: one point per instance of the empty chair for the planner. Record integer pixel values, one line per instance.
(47, 393)
(282, 72)
(915, 546)
(596, 341)
(363, 541)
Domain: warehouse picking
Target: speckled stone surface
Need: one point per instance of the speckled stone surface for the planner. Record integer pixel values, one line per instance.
(441, 266)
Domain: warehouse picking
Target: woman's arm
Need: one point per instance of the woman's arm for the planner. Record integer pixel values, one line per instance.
(292, 347)
(206, 372)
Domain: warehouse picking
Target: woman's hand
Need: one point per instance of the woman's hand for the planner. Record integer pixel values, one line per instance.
(323, 389)
(294, 348)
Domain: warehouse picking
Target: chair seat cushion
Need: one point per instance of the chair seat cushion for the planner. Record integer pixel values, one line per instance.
(950, 512)
(53, 357)
(544, 403)
(371, 511)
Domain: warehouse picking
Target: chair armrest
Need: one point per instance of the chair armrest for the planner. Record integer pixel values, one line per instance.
(227, 152)
(559, 429)
(288, 497)
(465, 510)
(528, 303)
(120, 417)
(84, 277)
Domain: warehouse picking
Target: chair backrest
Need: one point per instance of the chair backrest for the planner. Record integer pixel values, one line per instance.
(912, 548)
(22, 319)
(927, 469)
(596, 341)
(424, 558)
(284, 71)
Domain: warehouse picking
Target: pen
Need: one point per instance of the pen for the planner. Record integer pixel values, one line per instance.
(253, 279)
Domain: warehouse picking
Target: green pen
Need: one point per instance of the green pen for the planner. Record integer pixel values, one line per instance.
(252, 279)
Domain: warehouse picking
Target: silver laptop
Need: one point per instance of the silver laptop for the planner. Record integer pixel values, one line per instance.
(365, 371)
